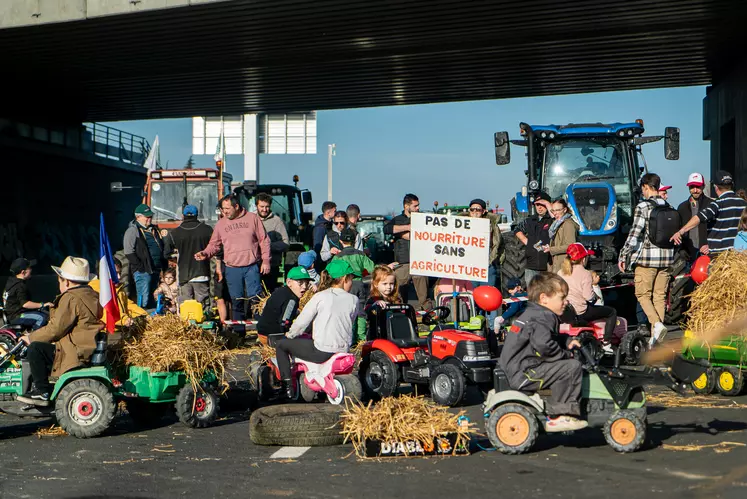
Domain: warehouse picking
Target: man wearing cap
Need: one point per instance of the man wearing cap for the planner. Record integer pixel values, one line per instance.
(723, 213)
(696, 238)
(143, 248)
(17, 303)
(190, 237)
(278, 234)
(69, 339)
(282, 307)
(664, 192)
(534, 233)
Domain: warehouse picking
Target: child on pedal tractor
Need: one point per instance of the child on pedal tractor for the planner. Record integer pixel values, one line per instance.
(533, 359)
(169, 289)
(282, 306)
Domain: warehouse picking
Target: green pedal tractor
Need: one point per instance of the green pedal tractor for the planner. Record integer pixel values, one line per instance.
(84, 401)
(728, 360)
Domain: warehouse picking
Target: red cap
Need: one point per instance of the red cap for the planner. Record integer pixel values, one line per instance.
(577, 251)
(664, 188)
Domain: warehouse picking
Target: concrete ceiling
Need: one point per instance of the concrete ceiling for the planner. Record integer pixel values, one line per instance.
(242, 56)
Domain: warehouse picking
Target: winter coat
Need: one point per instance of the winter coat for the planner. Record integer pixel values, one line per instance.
(243, 240)
(188, 239)
(74, 322)
(137, 251)
(332, 240)
(278, 234)
(566, 235)
(321, 226)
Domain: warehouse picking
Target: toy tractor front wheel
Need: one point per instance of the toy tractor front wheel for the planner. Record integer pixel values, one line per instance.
(624, 431)
(730, 381)
(378, 375)
(705, 384)
(447, 385)
(512, 428)
(85, 408)
(197, 408)
(634, 344)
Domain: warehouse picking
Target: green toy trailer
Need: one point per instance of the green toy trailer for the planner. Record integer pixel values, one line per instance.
(728, 359)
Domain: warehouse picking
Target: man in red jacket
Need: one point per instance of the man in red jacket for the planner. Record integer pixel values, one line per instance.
(246, 252)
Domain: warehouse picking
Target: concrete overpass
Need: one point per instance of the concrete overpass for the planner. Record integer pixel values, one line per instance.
(136, 59)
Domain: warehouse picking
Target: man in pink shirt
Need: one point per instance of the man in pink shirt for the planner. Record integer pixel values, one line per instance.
(244, 241)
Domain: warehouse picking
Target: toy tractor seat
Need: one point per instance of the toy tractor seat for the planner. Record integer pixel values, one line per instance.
(397, 324)
(465, 302)
(402, 333)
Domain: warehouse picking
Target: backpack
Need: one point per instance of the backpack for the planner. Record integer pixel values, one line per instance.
(663, 222)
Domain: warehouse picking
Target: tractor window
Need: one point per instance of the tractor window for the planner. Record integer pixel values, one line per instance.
(373, 228)
(167, 199)
(588, 160)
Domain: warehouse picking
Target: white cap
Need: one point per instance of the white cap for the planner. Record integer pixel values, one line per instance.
(695, 179)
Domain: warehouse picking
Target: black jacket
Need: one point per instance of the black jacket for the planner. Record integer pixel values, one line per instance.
(685, 215)
(279, 311)
(15, 295)
(536, 229)
(530, 342)
(137, 252)
(401, 246)
(321, 226)
(189, 238)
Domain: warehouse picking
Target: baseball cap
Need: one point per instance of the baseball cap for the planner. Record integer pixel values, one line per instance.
(298, 274)
(348, 235)
(144, 210)
(695, 179)
(724, 178)
(542, 195)
(340, 268)
(479, 201)
(577, 251)
(513, 283)
(20, 264)
(190, 210)
(664, 188)
(307, 259)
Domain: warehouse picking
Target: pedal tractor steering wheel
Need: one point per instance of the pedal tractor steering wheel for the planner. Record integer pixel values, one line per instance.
(436, 316)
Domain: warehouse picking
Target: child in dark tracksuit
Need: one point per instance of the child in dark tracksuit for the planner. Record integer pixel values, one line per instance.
(533, 359)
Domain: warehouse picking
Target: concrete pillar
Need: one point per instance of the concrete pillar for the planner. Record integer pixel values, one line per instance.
(251, 147)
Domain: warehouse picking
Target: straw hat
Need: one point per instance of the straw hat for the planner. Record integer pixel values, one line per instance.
(74, 269)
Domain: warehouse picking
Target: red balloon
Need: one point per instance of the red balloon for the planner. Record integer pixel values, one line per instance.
(487, 298)
(700, 269)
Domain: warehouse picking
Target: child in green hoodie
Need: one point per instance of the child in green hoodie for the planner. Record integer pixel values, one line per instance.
(363, 266)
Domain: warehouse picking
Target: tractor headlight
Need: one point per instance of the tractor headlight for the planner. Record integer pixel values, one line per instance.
(612, 222)
(534, 185)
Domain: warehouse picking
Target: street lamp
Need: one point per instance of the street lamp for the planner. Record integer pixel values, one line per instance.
(330, 153)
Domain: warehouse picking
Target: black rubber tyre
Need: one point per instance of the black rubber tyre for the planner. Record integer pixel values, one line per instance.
(447, 385)
(512, 428)
(624, 431)
(261, 379)
(350, 386)
(514, 260)
(85, 408)
(730, 381)
(706, 383)
(305, 393)
(197, 410)
(677, 293)
(378, 375)
(633, 345)
(296, 425)
(6, 342)
(146, 415)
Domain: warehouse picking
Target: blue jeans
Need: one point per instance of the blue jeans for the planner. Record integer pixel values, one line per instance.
(145, 285)
(34, 320)
(529, 275)
(243, 283)
(494, 273)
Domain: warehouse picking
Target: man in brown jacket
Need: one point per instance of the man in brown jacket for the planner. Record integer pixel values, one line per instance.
(563, 233)
(69, 339)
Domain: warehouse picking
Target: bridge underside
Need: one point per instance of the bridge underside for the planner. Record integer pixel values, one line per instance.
(282, 55)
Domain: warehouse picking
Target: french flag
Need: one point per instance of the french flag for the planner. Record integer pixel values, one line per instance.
(107, 280)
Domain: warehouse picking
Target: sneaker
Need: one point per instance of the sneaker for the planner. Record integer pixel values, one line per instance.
(658, 332)
(564, 423)
(607, 349)
(35, 397)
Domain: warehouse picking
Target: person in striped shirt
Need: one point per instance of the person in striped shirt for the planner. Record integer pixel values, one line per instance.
(723, 213)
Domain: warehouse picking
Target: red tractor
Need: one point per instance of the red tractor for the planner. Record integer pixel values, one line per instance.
(446, 360)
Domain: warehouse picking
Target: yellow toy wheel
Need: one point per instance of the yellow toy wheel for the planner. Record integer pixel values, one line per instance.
(730, 381)
(706, 383)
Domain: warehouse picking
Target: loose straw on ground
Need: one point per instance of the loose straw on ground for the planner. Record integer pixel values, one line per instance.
(52, 431)
(671, 399)
(400, 419)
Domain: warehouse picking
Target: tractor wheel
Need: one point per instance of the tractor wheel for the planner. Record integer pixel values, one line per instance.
(306, 394)
(197, 409)
(85, 408)
(297, 425)
(677, 293)
(634, 344)
(730, 381)
(348, 386)
(624, 431)
(512, 428)
(147, 415)
(514, 259)
(706, 383)
(447, 385)
(378, 375)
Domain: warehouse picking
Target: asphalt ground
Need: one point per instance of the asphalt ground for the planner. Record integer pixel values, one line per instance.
(692, 451)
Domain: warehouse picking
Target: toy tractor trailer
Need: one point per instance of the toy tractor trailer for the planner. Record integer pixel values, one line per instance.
(596, 168)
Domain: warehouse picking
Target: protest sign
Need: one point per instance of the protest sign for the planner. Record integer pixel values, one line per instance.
(449, 246)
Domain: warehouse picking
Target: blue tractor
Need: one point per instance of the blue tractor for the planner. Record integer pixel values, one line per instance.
(596, 168)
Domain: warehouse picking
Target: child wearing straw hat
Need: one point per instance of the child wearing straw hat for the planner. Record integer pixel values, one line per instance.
(69, 339)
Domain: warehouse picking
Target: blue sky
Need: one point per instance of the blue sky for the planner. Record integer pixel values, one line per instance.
(444, 152)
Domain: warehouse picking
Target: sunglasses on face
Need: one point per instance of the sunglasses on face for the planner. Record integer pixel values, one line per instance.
(473, 210)
(339, 223)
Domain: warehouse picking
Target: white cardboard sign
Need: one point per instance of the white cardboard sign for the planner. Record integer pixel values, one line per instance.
(449, 246)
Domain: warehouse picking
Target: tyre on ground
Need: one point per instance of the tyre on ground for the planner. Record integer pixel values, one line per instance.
(447, 385)
(730, 381)
(678, 291)
(512, 428)
(705, 384)
(378, 375)
(297, 425)
(624, 431)
(514, 259)
(197, 407)
(85, 407)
